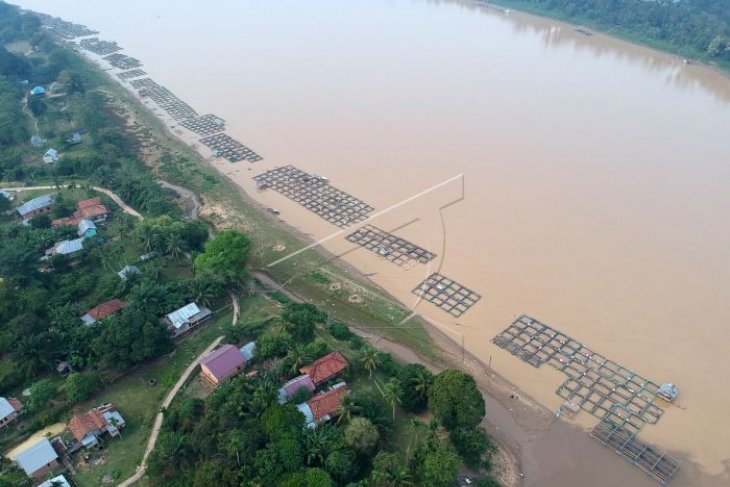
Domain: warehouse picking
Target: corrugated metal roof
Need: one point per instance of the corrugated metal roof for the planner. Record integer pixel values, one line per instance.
(291, 387)
(35, 204)
(70, 246)
(248, 351)
(59, 481)
(224, 362)
(181, 316)
(86, 225)
(129, 270)
(36, 457)
(6, 409)
(307, 412)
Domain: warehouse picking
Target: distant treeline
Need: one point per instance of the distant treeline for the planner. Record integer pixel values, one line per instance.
(696, 28)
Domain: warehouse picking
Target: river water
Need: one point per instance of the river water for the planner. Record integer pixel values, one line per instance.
(596, 172)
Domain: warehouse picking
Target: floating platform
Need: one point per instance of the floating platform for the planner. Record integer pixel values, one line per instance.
(315, 193)
(134, 73)
(392, 247)
(652, 460)
(597, 384)
(226, 146)
(102, 48)
(447, 294)
(204, 125)
(175, 107)
(63, 28)
(122, 61)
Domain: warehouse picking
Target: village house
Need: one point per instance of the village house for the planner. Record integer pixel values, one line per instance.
(38, 460)
(50, 156)
(59, 481)
(9, 410)
(325, 368)
(222, 364)
(66, 247)
(36, 206)
(103, 310)
(129, 271)
(91, 209)
(186, 318)
(7, 195)
(38, 91)
(291, 387)
(88, 427)
(36, 140)
(324, 406)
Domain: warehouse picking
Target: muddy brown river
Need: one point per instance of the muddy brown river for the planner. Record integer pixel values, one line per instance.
(596, 175)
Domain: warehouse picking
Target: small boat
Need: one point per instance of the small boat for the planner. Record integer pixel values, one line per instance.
(273, 210)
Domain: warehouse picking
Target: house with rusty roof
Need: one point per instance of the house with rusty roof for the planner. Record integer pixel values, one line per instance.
(9, 411)
(103, 310)
(222, 364)
(88, 427)
(91, 209)
(324, 406)
(326, 367)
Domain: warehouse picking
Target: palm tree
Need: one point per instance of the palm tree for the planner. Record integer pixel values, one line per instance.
(391, 393)
(174, 245)
(115, 422)
(370, 360)
(316, 444)
(297, 358)
(414, 426)
(146, 236)
(348, 408)
(421, 382)
(206, 289)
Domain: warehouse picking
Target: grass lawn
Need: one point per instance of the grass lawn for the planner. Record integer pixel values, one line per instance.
(139, 403)
(257, 308)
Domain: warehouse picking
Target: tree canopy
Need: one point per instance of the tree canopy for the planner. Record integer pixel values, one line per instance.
(455, 399)
(225, 256)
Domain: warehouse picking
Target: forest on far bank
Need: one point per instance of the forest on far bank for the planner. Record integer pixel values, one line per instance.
(692, 28)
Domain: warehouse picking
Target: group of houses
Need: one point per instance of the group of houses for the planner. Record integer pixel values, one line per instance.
(228, 361)
(44, 456)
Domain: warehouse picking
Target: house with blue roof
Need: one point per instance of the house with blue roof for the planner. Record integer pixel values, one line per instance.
(66, 247)
(36, 206)
(50, 156)
(86, 229)
(36, 140)
(38, 460)
(38, 91)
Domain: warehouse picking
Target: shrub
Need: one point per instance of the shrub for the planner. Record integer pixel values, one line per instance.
(301, 395)
(340, 331)
(473, 445)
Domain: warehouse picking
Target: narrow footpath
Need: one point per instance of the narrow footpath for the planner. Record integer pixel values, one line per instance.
(142, 469)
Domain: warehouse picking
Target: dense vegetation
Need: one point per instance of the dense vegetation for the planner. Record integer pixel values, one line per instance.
(241, 436)
(695, 28)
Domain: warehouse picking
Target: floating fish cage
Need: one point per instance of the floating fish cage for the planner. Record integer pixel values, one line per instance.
(392, 247)
(447, 294)
(226, 146)
(597, 384)
(653, 461)
(316, 194)
(102, 48)
(204, 125)
(175, 107)
(122, 61)
(63, 28)
(134, 73)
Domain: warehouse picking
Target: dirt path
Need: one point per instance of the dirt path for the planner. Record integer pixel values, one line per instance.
(157, 426)
(194, 203)
(27, 111)
(500, 422)
(119, 201)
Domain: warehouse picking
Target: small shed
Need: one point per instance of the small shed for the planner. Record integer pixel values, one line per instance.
(38, 91)
(86, 229)
(50, 156)
(128, 271)
(74, 139)
(248, 351)
(668, 392)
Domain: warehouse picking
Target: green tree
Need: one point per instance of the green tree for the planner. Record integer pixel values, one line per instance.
(362, 435)
(304, 317)
(391, 393)
(370, 359)
(473, 445)
(415, 381)
(80, 387)
(440, 468)
(389, 471)
(225, 256)
(455, 400)
(347, 409)
(41, 394)
(341, 465)
(297, 357)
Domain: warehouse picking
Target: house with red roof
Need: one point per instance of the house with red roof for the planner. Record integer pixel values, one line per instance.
(103, 310)
(326, 367)
(324, 406)
(89, 426)
(91, 209)
(222, 364)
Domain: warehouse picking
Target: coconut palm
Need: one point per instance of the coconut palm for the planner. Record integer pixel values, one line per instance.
(415, 426)
(174, 245)
(297, 358)
(348, 408)
(422, 381)
(391, 393)
(370, 359)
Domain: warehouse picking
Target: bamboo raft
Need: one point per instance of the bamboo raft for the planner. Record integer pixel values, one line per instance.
(447, 294)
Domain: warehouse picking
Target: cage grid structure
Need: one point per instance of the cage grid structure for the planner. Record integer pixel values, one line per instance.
(393, 248)
(205, 124)
(447, 294)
